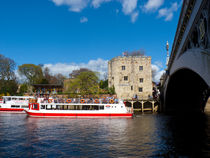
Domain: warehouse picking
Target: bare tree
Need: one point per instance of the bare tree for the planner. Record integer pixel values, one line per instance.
(140, 52)
(75, 73)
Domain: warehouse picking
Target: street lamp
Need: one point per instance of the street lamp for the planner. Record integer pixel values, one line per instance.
(167, 58)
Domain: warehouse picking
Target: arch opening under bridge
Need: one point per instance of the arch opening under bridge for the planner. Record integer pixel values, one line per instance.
(186, 92)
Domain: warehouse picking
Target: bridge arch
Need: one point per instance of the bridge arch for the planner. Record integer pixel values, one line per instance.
(186, 91)
(137, 105)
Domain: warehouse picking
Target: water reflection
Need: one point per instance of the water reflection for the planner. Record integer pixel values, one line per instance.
(189, 135)
(148, 135)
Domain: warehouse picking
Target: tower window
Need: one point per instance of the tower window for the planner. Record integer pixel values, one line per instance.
(131, 87)
(140, 68)
(125, 78)
(123, 67)
(140, 89)
(141, 80)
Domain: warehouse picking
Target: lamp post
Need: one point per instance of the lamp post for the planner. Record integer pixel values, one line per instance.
(167, 58)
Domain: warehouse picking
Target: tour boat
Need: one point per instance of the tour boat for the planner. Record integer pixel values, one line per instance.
(79, 108)
(14, 103)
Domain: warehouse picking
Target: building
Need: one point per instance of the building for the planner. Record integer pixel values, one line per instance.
(47, 89)
(131, 76)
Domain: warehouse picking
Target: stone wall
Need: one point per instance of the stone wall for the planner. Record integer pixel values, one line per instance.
(128, 87)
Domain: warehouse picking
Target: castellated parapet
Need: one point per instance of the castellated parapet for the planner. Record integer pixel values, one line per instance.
(131, 76)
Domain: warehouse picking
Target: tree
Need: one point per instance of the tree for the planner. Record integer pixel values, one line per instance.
(111, 90)
(8, 82)
(140, 52)
(23, 89)
(32, 72)
(85, 83)
(103, 84)
(88, 82)
(75, 73)
(7, 68)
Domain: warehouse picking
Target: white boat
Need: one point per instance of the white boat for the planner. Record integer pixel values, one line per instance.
(78, 108)
(14, 103)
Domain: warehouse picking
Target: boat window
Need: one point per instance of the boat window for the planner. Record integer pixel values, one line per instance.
(35, 106)
(86, 107)
(48, 107)
(101, 107)
(95, 107)
(58, 107)
(42, 106)
(53, 107)
(24, 106)
(15, 106)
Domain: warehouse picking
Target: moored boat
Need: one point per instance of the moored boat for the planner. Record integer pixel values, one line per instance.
(14, 103)
(81, 108)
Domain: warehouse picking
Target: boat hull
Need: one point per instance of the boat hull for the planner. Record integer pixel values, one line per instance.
(100, 115)
(12, 109)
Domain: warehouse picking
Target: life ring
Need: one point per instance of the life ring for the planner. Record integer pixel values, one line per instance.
(82, 101)
(68, 100)
(111, 101)
(96, 101)
(50, 100)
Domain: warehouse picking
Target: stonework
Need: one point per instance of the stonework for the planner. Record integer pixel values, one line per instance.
(131, 76)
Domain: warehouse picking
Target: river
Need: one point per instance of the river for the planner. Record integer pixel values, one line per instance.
(146, 135)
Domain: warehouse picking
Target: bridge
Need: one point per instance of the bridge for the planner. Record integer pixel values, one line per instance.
(186, 83)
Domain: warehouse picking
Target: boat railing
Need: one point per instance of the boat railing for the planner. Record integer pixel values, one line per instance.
(81, 100)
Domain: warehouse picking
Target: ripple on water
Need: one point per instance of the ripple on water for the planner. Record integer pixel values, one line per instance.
(150, 135)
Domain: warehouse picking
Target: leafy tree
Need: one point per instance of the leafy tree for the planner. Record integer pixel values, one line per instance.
(23, 89)
(85, 83)
(103, 84)
(111, 90)
(32, 72)
(88, 82)
(8, 82)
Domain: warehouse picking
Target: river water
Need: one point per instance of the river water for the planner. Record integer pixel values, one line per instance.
(146, 135)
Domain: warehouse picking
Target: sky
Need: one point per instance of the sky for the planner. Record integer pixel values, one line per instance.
(65, 35)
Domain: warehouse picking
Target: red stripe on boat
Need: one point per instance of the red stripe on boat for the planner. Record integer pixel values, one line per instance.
(10, 109)
(79, 114)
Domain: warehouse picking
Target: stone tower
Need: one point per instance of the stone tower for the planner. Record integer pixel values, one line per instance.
(131, 76)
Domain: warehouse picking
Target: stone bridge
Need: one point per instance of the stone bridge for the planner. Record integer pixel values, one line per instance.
(186, 83)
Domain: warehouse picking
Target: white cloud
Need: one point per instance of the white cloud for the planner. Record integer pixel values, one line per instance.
(157, 72)
(97, 3)
(153, 5)
(19, 77)
(134, 16)
(83, 19)
(168, 13)
(129, 6)
(117, 11)
(65, 69)
(159, 64)
(74, 5)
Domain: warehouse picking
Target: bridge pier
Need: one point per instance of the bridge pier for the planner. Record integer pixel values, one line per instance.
(140, 105)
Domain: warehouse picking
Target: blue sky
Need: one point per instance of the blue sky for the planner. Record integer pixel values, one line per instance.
(69, 34)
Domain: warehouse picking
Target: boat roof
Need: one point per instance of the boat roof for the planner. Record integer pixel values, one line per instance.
(18, 97)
